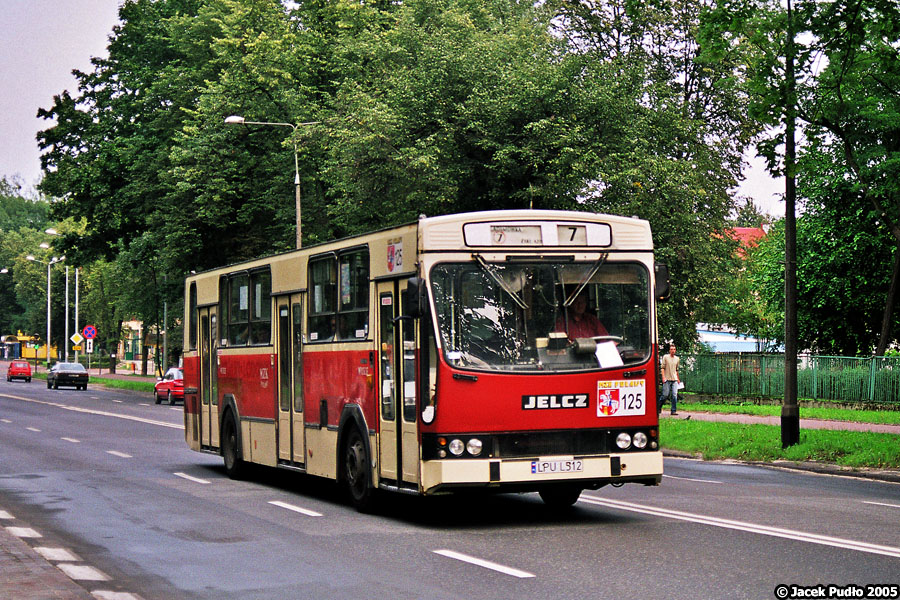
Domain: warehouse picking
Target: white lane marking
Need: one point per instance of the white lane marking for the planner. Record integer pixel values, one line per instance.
(5, 515)
(82, 572)
(190, 478)
(143, 404)
(119, 454)
(118, 401)
(304, 511)
(691, 479)
(176, 408)
(57, 554)
(24, 532)
(95, 412)
(790, 534)
(6, 420)
(882, 504)
(484, 563)
(73, 440)
(104, 595)
(34, 429)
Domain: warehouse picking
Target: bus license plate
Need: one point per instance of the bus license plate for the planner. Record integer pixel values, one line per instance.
(557, 466)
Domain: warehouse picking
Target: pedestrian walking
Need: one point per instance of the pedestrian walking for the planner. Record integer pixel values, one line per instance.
(671, 380)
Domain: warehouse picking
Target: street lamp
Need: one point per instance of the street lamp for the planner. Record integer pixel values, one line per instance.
(45, 245)
(238, 120)
(52, 262)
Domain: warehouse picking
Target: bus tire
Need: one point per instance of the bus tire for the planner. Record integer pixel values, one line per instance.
(357, 471)
(231, 453)
(560, 496)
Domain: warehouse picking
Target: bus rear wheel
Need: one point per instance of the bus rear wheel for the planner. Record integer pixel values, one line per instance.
(357, 471)
(560, 496)
(234, 464)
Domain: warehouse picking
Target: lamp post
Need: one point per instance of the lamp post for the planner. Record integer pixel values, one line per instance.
(239, 120)
(52, 262)
(45, 245)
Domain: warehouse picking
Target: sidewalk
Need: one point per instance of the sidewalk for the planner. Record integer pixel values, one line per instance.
(26, 575)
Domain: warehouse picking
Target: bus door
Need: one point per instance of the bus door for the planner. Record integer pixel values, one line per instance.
(397, 394)
(209, 369)
(291, 442)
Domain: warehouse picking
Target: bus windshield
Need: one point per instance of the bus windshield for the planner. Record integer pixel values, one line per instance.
(542, 315)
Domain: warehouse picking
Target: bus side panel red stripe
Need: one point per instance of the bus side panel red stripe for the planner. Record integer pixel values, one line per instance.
(339, 377)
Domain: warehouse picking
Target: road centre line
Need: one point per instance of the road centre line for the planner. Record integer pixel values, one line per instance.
(790, 534)
(119, 454)
(34, 429)
(881, 504)
(303, 511)
(6, 420)
(102, 413)
(484, 563)
(73, 440)
(190, 478)
(691, 479)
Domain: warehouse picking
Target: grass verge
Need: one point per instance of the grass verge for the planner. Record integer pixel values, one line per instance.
(882, 417)
(718, 440)
(124, 384)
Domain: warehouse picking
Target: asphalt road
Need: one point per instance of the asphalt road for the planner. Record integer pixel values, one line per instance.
(107, 476)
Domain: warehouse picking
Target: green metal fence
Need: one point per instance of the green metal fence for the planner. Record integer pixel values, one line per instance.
(842, 379)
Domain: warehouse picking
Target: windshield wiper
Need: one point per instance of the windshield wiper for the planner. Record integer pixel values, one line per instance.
(506, 288)
(586, 279)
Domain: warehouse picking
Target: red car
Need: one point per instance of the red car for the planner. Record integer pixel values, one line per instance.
(171, 386)
(19, 369)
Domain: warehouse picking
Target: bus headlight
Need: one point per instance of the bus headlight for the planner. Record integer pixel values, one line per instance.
(623, 440)
(474, 446)
(456, 447)
(640, 440)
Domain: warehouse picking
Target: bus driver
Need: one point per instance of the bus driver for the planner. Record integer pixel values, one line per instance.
(576, 322)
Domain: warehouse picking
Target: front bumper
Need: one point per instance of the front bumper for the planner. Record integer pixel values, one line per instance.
(516, 474)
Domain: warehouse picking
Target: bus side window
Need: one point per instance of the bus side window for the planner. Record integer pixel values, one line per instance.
(323, 295)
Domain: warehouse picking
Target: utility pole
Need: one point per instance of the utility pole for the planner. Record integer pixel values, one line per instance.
(790, 411)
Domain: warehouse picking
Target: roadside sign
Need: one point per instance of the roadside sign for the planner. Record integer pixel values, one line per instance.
(76, 347)
(89, 345)
(89, 332)
(76, 338)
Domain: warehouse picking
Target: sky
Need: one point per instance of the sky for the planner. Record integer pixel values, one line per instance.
(44, 40)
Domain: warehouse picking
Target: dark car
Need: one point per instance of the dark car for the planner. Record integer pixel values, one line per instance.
(171, 386)
(18, 369)
(73, 374)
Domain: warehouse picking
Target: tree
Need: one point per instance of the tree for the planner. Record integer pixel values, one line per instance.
(422, 106)
(848, 74)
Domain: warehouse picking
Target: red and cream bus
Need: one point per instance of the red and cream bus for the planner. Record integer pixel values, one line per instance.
(507, 350)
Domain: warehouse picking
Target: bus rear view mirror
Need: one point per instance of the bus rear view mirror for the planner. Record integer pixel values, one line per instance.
(663, 288)
(414, 298)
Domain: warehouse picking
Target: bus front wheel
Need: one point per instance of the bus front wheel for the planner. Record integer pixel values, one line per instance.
(357, 471)
(234, 464)
(560, 496)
